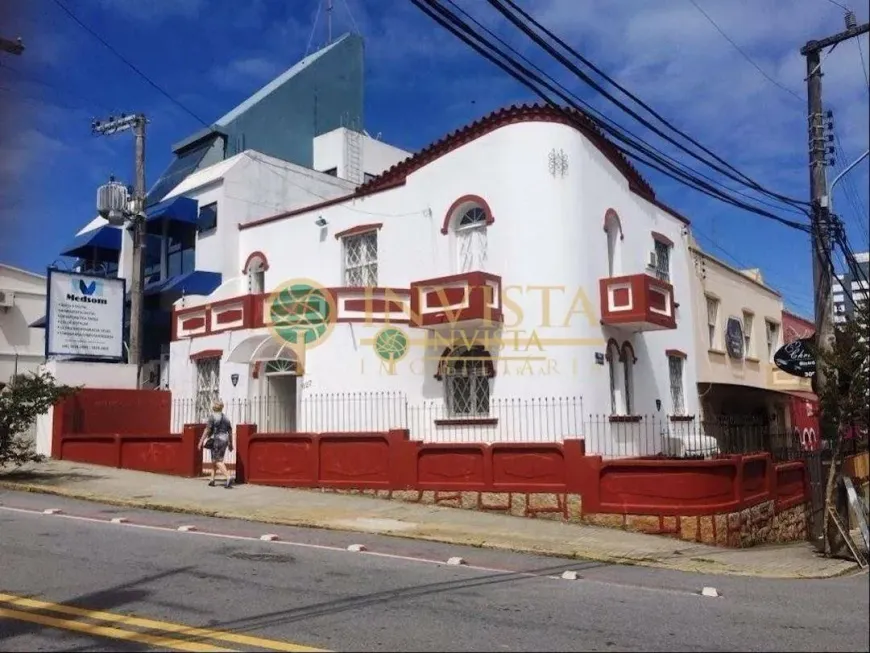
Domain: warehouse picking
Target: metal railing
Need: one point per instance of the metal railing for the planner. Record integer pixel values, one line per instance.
(542, 419)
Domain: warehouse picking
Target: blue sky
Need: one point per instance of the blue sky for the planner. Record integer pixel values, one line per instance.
(421, 83)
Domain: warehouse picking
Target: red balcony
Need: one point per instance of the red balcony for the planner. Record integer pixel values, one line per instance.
(640, 302)
(470, 299)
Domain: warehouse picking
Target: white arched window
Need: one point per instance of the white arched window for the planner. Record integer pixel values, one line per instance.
(467, 374)
(470, 233)
(617, 379)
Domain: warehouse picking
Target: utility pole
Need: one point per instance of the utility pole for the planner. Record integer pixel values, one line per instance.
(328, 22)
(10, 46)
(823, 226)
(136, 223)
(821, 221)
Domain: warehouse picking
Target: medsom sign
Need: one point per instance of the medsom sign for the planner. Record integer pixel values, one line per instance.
(734, 338)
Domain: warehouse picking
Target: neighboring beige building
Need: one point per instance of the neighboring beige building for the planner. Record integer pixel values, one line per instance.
(738, 329)
(22, 302)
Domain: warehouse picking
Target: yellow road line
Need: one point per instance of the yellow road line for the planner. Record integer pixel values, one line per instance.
(105, 631)
(165, 626)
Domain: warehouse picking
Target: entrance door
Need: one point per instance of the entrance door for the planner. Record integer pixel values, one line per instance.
(280, 413)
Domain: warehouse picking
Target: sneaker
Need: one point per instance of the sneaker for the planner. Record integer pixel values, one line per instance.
(228, 484)
(211, 483)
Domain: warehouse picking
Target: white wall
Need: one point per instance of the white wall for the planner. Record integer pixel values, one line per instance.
(249, 186)
(547, 232)
(331, 151)
(17, 338)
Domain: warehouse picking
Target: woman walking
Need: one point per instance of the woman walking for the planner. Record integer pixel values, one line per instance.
(218, 438)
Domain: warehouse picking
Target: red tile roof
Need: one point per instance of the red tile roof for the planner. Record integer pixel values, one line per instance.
(508, 116)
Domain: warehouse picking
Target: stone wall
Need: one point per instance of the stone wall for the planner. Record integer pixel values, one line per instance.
(760, 524)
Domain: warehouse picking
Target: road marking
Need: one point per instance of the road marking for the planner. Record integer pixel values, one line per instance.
(376, 554)
(105, 631)
(139, 622)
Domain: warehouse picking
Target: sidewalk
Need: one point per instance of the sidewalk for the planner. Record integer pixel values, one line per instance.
(423, 522)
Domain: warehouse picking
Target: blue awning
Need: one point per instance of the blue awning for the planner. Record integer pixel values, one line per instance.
(95, 244)
(178, 210)
(197, 282)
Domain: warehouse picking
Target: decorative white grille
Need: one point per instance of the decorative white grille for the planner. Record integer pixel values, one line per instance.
(361, 260)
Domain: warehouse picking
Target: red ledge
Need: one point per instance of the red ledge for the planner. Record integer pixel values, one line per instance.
(359, 229)
(207, 353)
(251, 257)
(676, 353)
(625, 418)
(467, 199)
(468, 421)
(662, 239)
(681, 418)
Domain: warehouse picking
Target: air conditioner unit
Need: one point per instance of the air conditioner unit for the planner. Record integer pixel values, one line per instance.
(653, 260)
(7, 298)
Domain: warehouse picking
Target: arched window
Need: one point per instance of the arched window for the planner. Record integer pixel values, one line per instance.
(628, 361)
(613, 229)
(255, 270)
(467, 374)
(470, 233)
(617, 383)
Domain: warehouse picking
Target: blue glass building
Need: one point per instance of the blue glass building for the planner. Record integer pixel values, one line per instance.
(322, 92)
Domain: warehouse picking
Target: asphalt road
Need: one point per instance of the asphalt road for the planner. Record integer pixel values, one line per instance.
(94, 585)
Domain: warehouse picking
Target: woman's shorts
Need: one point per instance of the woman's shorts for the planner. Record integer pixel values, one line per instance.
(219, 450)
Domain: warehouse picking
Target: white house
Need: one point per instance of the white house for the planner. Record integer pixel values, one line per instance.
(22, 302)
(519, 261)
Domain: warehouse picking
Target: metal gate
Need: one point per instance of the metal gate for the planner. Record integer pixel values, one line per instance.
(816, 521)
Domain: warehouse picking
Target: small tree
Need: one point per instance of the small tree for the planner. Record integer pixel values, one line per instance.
(25, 398)
(844, 399)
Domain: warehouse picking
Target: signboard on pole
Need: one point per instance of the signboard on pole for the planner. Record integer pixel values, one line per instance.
(84, 316)
(796, 358)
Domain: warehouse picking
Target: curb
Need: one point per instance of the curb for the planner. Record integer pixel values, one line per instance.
(674, 563)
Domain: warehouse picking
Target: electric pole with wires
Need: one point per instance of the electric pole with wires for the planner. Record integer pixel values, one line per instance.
(823, 223)
(10, 46)
(825, 228)
(135, 221)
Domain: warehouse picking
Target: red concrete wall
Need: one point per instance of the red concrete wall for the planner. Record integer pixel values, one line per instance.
(124, 428)
(391, 461)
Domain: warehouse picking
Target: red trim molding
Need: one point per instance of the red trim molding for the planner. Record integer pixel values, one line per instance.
(253, 256)
(360, 192)
(359, 229)
(676, 353)
(681, 418)
(466, 199)
(662, 238)
(467, 421)
(611, 342)
(207, 353)
(611, 214)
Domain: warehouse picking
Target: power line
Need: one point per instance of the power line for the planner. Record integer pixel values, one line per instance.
(129, 63)
(612, 123)
(863, 64)
(843, 7)
(657, 162)
(742, 52)
(499, 5)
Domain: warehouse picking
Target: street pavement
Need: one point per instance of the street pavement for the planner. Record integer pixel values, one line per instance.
(298, 507)
(75, 581)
